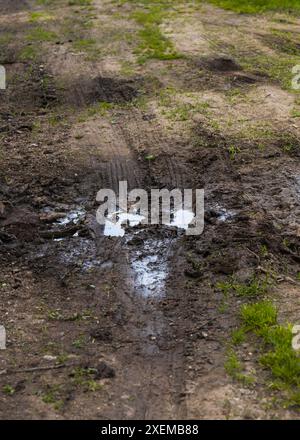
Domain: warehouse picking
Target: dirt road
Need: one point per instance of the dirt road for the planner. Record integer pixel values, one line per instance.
(174, 96)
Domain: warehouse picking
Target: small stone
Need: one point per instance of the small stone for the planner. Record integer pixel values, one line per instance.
(2, 338)
(48, 357)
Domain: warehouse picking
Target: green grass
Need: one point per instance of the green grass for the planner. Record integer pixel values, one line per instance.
(232, 364)
(283, 41)
(80, 2)
(40, 34)
(280, 358)
(254, 288)
(88, 46)
(278, 67)
(259, 316)
(185, 111)
(8, 389)
(84, 377)
(258, 6)
(35, 17)
(233, 368)
(238, 336)
(28, 53)
(153, 43)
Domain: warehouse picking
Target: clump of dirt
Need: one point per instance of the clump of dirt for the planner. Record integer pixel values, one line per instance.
(220, 64)
(111, 90)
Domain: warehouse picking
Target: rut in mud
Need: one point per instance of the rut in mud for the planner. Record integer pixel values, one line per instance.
(135, 321)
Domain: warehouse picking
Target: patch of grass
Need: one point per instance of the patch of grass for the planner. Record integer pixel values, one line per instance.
(280, 358)
(6, 38)
(84, 377)
(100, 108)
(87, 45)
(40, 34)
(80, 2)
(234, 368)
(238, 336)
(254, 288)
(258, 316)
(153, 43)
(28, 53)
(185, 111)
(284, 42)
(35, 17)
(233, 151)
(52, 396)
(9, 390)
(277, 67)
(295, 113)
(232, 364)
(258, 6)
(79, 342)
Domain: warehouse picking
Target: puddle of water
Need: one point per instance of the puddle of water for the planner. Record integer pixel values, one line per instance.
(117, 229)
(150, 266)
(224, 214)
(182, 219)
(74, 217)
(149, 261)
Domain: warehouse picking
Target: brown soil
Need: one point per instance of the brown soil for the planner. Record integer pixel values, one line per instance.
(88, 337)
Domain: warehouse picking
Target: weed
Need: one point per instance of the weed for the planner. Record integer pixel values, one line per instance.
(150, 157)
(78, 343)
(238, 336)
(234, 368)
(233, 151)
(52, 397)
(232, 364)
(9, 390)
(84, 377)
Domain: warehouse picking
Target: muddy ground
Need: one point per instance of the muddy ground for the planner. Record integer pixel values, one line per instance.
(136, 327)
